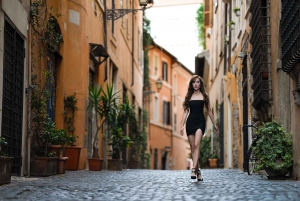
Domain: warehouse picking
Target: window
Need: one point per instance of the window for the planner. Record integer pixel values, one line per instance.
(175, 122)
(166, 113)
(165, 71)
(155, 64)
(175, 88)
(155, 109)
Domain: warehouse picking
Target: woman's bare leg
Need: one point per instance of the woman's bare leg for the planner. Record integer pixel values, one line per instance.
(191, 139)
(198, 138)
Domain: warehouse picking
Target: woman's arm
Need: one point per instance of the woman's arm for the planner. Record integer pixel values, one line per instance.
(183, 121)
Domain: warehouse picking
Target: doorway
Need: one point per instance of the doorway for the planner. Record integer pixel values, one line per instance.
(13, 84)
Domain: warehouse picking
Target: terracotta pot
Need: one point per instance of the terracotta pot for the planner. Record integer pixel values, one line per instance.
(5, 169)
(61, 167)
(133, 164)
(43, 166)
(95, 164)
(213, 162)
(114, 164)
(73, 153)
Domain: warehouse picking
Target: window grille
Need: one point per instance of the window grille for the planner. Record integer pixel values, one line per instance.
(261, 52)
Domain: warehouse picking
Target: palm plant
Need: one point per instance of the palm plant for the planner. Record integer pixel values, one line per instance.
(104, 105)
(94, 104)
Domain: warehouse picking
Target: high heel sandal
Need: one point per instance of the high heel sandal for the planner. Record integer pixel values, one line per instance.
(193, 174)
(199, 176)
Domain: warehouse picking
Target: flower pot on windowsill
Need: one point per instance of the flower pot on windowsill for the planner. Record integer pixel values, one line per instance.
(5, 169)
(73, 153)
(95, 164)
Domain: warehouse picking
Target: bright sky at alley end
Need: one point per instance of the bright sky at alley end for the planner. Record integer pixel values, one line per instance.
(174, 27)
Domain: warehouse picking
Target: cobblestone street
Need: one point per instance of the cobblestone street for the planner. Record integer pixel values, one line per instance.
(218, 184)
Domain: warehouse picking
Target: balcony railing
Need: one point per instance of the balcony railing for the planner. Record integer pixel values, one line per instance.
(290, 34)
(261, 52)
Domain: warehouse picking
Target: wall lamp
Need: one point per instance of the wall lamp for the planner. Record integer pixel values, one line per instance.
(158, 84)
(114, 14)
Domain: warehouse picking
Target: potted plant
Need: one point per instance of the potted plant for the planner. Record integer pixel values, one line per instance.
(213, 159)
(231, 24)
(273, 149)
(117, 139)
(138, 139)
(104, 105)
(6, 163)
(71, 151)
(95, 163)
(44, 161)
(61, 139)
(236, 10)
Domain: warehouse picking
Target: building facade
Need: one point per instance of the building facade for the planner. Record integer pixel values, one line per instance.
(92, 50)
(253, 70)
(168, 149)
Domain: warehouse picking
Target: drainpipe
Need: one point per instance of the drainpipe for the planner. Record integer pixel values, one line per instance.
(132, 53)
(29, 95)
(229, 35)
(225, 31)
(105, 47)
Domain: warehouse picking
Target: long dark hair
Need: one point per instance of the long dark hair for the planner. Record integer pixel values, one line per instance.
(190, 92)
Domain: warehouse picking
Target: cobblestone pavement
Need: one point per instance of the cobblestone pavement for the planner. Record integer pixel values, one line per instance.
(218, 184)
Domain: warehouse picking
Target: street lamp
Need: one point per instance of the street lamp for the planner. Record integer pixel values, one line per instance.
(114, 14)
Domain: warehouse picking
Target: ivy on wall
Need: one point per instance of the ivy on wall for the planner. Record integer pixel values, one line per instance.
(146, 43)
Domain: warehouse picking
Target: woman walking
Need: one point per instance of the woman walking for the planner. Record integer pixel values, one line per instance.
(195, 101)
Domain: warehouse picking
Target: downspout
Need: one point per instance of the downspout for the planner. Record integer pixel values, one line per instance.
(105, 47)
(229, 35)
(29, 95)
(225, 31)
(132, 52)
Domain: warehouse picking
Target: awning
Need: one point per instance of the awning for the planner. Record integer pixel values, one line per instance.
(96, 52)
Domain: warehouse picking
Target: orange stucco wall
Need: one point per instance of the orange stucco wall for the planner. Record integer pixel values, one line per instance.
(163, 137)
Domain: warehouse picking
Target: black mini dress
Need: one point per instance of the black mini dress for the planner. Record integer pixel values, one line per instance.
(196, 117)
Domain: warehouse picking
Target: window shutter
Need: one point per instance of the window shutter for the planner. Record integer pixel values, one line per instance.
(207, 13)
(166, 72)
(168, 114)
(163, 70)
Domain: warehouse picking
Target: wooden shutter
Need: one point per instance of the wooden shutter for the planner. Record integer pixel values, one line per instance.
(207, 13)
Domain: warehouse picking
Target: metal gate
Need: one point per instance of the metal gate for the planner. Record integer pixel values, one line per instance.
(12, 107)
